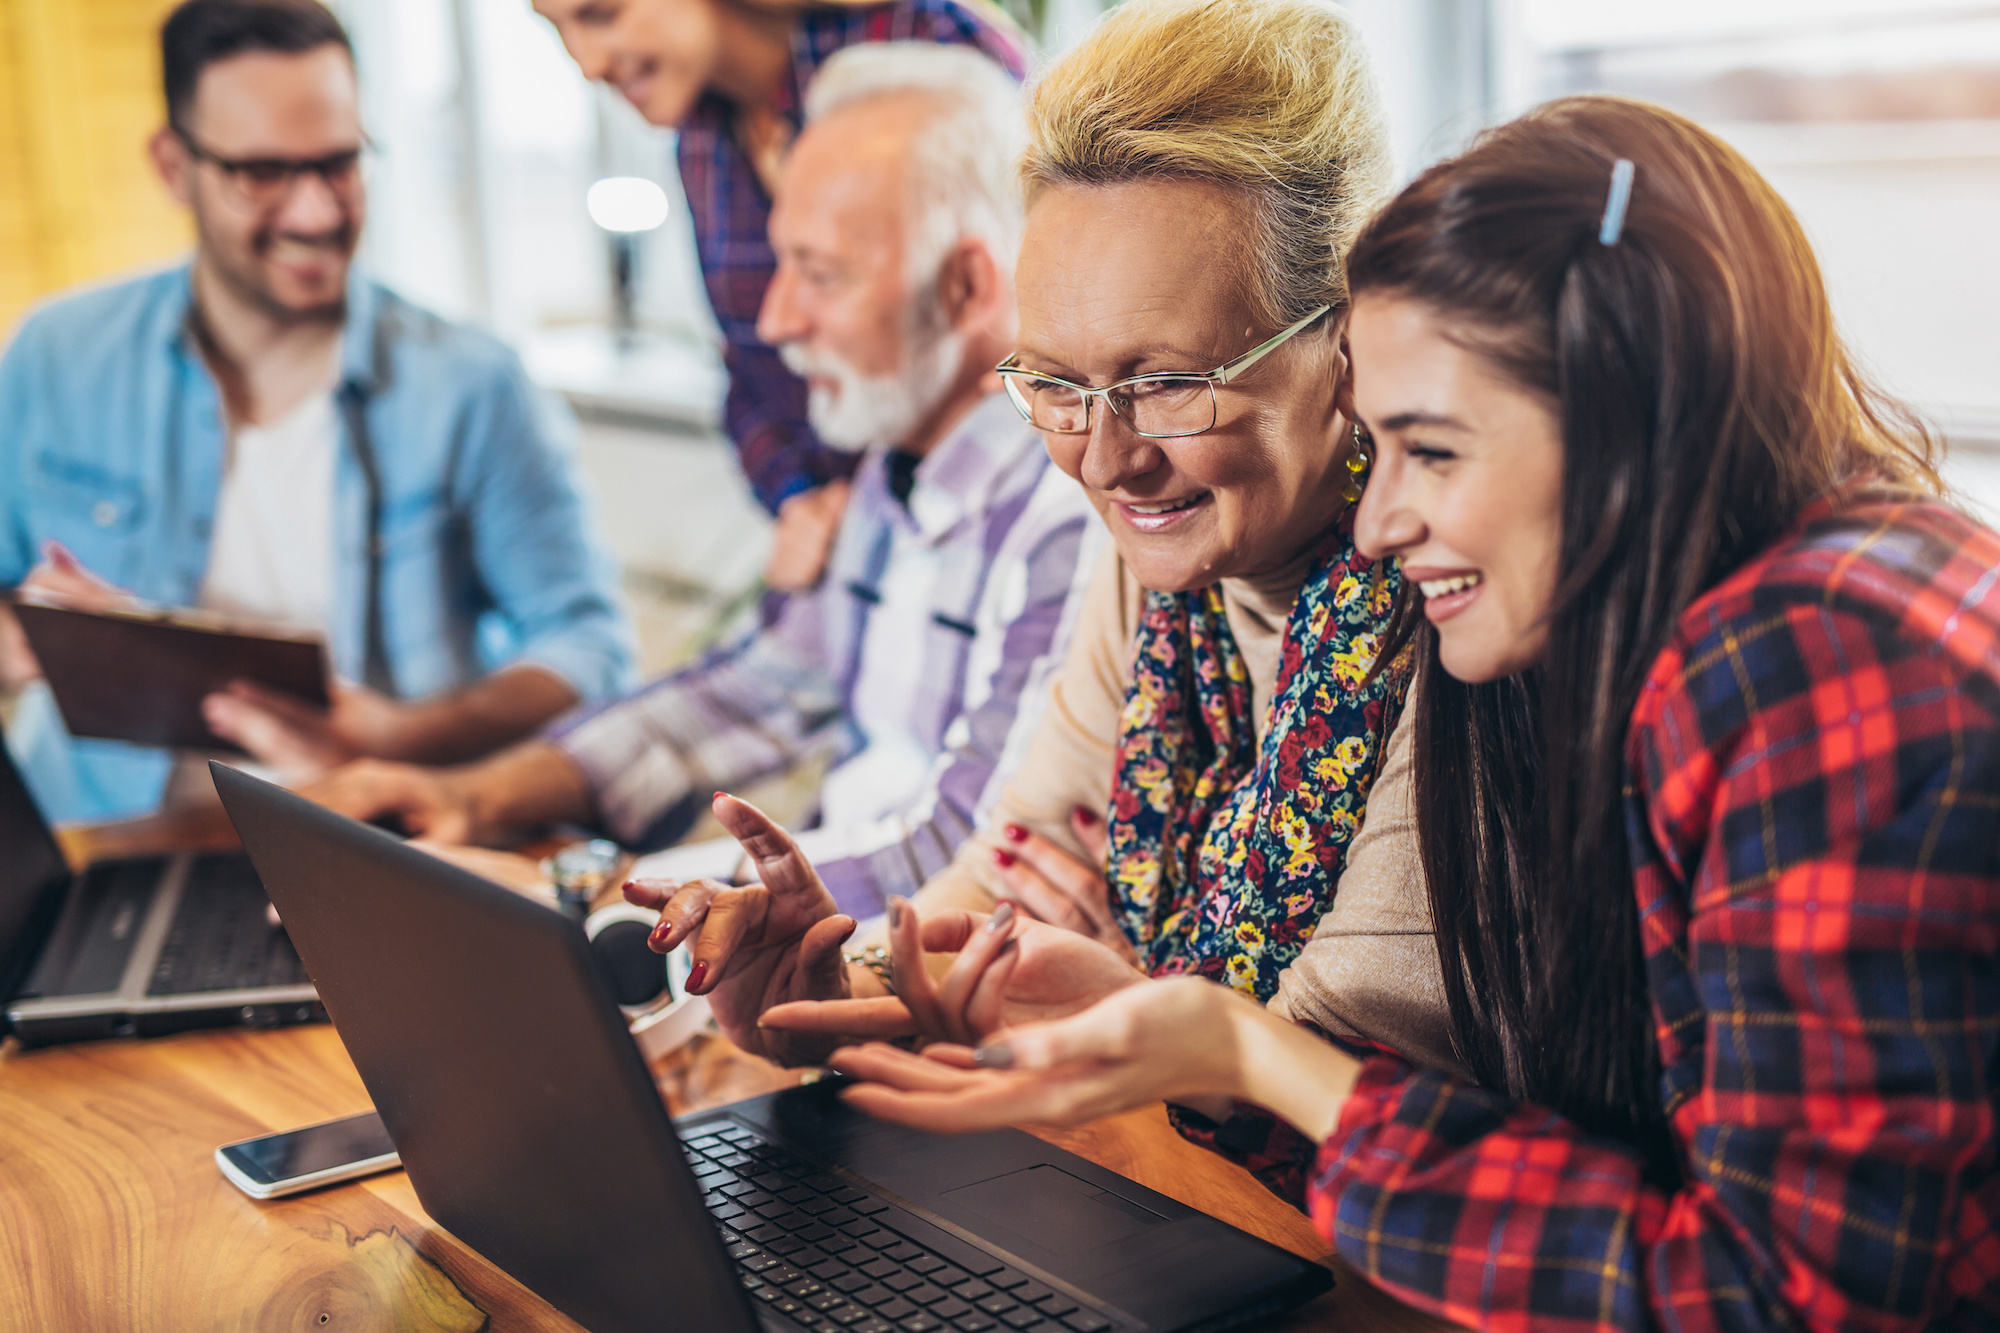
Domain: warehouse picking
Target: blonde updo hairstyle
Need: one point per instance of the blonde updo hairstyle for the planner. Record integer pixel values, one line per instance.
(1271, 99)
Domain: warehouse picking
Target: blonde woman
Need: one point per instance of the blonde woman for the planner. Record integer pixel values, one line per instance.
(1196, 172)
(730, 76)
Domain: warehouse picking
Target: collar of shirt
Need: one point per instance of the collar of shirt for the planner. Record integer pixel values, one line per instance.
(361, 350)
(958, 478)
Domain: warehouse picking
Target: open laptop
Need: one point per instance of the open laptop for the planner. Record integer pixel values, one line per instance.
(134, 947)
(532, 1129)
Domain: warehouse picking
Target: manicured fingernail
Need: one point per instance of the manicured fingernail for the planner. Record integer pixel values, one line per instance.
(659, 935)
(1086, 817)
(1002, 857)
(1002, 918)
(696, 975)
(896, 906)
(1015, 833)
(994, 1057)
(716, 796)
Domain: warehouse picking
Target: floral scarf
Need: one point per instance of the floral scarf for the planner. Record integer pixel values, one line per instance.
(1223, 857)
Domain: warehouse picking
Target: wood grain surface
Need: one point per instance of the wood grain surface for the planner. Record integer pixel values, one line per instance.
(113, 1215)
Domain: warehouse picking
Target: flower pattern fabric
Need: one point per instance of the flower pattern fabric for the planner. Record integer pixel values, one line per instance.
(1222, 856)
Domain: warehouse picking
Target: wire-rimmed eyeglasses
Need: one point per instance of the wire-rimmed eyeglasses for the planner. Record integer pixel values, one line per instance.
(1160, 406)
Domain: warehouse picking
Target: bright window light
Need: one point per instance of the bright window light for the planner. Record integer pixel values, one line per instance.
(627, 203)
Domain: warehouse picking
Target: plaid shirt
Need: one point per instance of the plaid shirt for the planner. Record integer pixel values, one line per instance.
(1814, 803)
(765, 410)
(919, 665)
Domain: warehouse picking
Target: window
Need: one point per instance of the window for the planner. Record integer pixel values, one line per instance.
(1878, 120)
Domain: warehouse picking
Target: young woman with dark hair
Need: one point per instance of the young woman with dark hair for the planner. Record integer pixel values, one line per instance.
(1707, 782)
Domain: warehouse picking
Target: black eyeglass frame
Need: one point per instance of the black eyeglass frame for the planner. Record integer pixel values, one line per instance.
(280, 173)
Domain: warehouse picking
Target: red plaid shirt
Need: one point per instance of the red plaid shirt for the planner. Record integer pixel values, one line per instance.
(1814, 805)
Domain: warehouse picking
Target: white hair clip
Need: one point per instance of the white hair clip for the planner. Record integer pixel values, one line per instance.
(1614, 206)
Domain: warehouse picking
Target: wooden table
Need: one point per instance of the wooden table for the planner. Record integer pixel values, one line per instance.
(113, 1215)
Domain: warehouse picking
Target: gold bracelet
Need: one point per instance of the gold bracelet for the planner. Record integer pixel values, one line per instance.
(876, 959)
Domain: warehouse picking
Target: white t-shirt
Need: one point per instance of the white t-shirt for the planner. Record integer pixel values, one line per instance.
(271, 557)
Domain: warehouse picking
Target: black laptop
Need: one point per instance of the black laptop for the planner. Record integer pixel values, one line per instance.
(531, 1128)
(134, 947)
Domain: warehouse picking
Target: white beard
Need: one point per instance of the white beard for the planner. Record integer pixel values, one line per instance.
(861, 411)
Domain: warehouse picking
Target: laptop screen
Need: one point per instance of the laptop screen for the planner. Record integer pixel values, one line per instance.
(31, 865)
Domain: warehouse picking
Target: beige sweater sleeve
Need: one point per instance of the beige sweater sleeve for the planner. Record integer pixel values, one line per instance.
(1371, 967)
(1068, 761)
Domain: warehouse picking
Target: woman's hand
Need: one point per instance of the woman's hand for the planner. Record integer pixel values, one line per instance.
(1177, 1040)
(1052, 885)
(1009, 970)
(758, 947)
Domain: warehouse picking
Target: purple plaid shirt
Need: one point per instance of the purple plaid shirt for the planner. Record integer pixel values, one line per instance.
(765, 411)
(919, 666)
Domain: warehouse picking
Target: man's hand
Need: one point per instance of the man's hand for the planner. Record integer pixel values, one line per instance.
(436, 804)
(802, 538)
(758, 947)
(1052, 885)
(1009, 970)
(302, 742)
(61, 580)
(457, 726)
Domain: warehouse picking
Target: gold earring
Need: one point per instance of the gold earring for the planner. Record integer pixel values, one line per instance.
(1357, 464)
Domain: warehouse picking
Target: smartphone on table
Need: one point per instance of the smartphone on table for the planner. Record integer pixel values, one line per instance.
(302, 1159)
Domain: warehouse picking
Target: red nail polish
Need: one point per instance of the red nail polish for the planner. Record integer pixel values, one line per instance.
(696, 975)
(659, 935)
(718, 795)
(1086, 817)
(1002, 857)
(1015, 833)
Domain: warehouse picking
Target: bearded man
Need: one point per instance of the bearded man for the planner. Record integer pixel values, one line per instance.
(264, 433)
(950, 590)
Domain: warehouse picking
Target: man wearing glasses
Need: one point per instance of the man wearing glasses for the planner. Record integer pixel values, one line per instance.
(265, 433)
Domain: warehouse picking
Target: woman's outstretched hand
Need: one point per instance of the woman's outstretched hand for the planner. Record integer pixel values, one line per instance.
(758, 947)
(1054, 885)
(1176, 1040)
(1009, 970)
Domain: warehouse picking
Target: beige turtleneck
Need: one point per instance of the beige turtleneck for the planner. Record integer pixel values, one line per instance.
(1371, 967)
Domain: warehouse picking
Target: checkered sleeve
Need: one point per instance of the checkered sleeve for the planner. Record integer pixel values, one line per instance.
(1814, 783)
(745, 711)
(1038, 582)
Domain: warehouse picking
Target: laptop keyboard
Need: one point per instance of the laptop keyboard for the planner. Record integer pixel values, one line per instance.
(220, 938)
(806, 1243)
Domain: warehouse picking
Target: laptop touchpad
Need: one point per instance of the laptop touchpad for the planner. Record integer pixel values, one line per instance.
(1058, 1211)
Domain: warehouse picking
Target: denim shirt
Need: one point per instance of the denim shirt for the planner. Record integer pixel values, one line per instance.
(113, 441)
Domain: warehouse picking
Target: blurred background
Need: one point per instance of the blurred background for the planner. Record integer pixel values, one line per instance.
(1878, 119)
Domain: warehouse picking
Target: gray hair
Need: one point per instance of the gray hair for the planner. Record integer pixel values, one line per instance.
(962, 170)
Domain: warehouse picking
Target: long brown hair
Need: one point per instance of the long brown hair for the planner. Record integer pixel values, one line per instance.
(1705, 401)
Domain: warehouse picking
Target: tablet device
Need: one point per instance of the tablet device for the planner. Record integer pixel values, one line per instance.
(140, 676)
